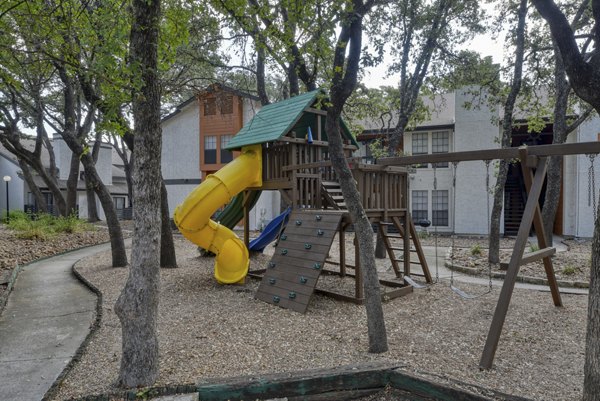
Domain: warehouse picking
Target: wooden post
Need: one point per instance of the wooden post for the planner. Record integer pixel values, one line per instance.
(358, 283)
(406, 239)
(343, 249)
(493, 337)
(540, 233)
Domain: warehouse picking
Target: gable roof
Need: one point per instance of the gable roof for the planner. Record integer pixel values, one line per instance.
(277, 119)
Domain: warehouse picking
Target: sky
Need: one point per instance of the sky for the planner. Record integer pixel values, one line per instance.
(483, 44)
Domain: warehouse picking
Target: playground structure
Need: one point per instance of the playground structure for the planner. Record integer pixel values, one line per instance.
(285, 148)
(285, 159)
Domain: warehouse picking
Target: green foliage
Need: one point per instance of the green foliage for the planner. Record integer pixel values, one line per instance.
(534, 247)
(476, 250)
(569, 270)
(43, 226)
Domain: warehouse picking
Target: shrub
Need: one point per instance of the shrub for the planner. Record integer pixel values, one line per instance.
(569, 270)
(423, 234)
(43, 225)
(476, 250)
(534, 247)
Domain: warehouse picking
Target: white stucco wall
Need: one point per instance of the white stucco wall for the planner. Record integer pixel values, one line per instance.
(578, 211)
(474, 130)
(180, 154)
(266, 209)
(15, 186)
(104, 164)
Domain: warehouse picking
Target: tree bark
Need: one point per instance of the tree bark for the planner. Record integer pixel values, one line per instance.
(37, 194)
(260, 76)
(92, 208)
(119, 256)
(137, 306)
(343, 84)
(507, 123)
(72, 185)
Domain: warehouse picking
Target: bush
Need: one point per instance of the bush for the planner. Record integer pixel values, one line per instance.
(43, 226)
(569, 270)
(476, 250)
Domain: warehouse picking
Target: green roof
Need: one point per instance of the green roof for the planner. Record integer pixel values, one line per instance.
(277, 119)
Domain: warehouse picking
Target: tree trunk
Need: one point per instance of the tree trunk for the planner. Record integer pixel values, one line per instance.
(350, 41)
(591, 370)
(72, 185)
(494, 236)
(260, 76)
(119, 256)
(37, 194)
(168, 258)
(92, 208)
(137, 306)
(507, 123)
(52, 185)
(559, 135)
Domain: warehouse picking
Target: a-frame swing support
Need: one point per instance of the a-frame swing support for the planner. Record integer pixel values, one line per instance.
(532, 213)
(532, 156)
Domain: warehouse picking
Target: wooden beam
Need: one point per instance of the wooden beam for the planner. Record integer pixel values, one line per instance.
(491, 344)
(493, 154)
(533, 256)
(315, 111)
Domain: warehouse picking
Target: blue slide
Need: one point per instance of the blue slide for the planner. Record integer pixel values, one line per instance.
(271, 231)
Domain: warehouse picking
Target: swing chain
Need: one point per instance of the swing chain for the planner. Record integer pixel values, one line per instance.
(592, 184)
(437, 272)
(487, 191)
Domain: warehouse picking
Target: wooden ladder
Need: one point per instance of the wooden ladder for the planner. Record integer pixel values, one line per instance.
(407, 248)
(332, 192)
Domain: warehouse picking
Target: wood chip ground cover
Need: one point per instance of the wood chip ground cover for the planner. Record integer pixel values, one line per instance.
(207, 330)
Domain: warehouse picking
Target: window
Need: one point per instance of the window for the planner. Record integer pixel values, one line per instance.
(119, 202)
(419, 205)
(226, 155)
(440, 143)
(439, 208)
(210, 149)
(210, 106)
(226, 104)
(420, 145)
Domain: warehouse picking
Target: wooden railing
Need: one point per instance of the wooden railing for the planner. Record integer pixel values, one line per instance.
(300, 168)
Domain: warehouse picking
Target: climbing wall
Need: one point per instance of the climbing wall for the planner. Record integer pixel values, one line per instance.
(292, 274)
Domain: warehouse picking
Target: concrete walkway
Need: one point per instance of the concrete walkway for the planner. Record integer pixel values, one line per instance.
(445, 274)
(46, 319)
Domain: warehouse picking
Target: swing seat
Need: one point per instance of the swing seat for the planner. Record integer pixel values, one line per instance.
(464, 295)
(413, 283)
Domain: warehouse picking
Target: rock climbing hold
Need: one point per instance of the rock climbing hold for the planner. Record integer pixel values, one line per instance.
(292, 295)
(317, 266)
(307, 246)
(318, 217)
(298, 222)
(303, 279)
(272, 281)
(283, 237)
(271, 265)
(276, 299)
(320, 232)
(284, 251)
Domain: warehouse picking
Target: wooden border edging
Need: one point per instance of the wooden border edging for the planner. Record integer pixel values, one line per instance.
(335, 384)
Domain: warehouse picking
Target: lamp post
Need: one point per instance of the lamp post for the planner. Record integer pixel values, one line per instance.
(6, 179)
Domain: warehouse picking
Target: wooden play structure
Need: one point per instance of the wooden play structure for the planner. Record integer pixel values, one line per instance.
(295, 162)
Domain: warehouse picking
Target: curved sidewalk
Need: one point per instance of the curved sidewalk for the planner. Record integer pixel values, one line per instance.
(47, 318)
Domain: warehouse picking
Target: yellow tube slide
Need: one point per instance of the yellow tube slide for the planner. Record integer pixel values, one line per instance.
(192, 217)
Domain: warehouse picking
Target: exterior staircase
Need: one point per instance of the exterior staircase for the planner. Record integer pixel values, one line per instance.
(514, 205)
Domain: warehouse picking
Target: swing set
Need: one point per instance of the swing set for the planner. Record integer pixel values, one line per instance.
(534, 166)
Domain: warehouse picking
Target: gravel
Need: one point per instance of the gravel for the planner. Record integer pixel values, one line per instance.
(209, 331)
